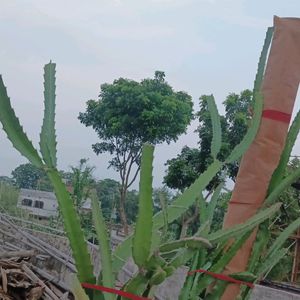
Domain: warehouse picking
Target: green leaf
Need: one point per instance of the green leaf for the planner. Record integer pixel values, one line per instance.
(202, 209)
(47, 136)
(190, 242)
(262, 60)
(284, 235)
(251, 133)
(185, 291)
(220, 264)
(163, 204)
(174, 211)
(285, 156)
(136, 285)
(286, 182)
(258, 102)
(14, 130)
(235, 231)
(121, 254)
(107, 278)
(262, 238)
(188, 198)
(142, 239)
(271, 261)
(77, 290)
(184, 255)
(213, 202)
(217, 291)
(216, 126)
(244, 276)
(72, 228)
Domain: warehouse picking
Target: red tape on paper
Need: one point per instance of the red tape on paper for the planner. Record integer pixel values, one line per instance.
(276, 115)
(223, 277)
(112, 291)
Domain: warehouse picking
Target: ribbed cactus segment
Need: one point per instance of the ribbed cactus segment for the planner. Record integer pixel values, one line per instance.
(47, 136)
(141, 245)
(72, 228)
(286, 153)
(107, 278)
(14, 130)
(235, 231)
(216, 141)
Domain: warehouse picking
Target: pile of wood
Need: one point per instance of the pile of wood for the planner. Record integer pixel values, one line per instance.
(19, 279)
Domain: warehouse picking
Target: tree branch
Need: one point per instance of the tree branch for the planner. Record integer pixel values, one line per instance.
(134, 177)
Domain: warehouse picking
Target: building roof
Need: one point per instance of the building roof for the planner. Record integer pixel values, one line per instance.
(87, 204)
(37, 194)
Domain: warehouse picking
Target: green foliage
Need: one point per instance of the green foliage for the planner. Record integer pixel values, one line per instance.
(141, 244)
(213, 203)
(20, 141)
(72, 228)
(185, 200)
(107, 278)
(157, 260)
(48, 137)
(8, 198)
(28, 176)
(14, 130)
(216, 126)
(271, 261)
(185, 291)
(281, 239)
(287, 181)
(183, 170)
(251, 133)
(262, 61)
(130, 113)
(108, 190)
(190, 163)
(82, 181)
(188, 198)
(286, 153)
(219, 263)
(77, 290)
(262, 237)
(225, 234)
(192, 242)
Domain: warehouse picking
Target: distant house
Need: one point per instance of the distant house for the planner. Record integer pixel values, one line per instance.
(38, 203)
(86, 205)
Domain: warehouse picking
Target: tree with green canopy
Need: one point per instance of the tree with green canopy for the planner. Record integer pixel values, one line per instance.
(28, 176)
(129, 113)
(183, 170)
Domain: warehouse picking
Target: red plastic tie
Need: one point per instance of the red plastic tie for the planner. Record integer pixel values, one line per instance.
(276, 115)
(112, 291)
(223, 277)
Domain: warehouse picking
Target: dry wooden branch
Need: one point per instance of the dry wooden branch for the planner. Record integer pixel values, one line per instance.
(35, 279)
(22, 253)
(50, 278)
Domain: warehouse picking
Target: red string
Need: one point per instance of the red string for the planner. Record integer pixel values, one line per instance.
(112, 291)
(222, 277)
(276, 115)
(135, 297)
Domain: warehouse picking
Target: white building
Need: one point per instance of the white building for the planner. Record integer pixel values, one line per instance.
(38, 203)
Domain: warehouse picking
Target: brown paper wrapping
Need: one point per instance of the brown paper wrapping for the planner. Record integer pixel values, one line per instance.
(279, 89)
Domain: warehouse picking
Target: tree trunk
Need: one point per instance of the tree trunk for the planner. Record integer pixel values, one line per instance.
(186, 222)
(184, 227)
(122, 210)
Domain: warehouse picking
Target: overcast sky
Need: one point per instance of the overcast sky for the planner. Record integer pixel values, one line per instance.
(204, 46)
